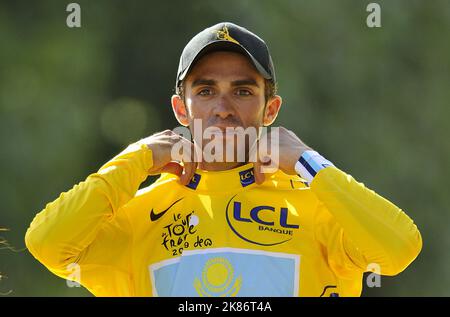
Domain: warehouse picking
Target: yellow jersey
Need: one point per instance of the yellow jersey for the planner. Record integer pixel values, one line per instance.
(222, 234)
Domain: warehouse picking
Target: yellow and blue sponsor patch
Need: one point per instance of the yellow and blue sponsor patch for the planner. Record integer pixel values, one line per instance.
(227, 272)
(195, 180)
(247, 177)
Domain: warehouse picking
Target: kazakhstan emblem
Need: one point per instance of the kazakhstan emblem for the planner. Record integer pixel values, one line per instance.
(218, 279)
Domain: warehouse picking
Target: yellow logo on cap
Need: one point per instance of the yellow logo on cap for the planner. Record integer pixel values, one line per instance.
(225, 35)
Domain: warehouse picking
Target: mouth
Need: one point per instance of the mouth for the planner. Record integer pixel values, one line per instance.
(224, 125)
(225, 132)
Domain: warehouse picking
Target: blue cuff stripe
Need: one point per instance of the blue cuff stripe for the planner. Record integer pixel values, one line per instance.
(314, 164)
(307, 166)
(308, 156)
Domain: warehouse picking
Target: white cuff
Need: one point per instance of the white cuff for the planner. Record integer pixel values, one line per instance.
(309, 164)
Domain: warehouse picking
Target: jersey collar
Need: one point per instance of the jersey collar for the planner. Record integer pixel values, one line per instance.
(235, 178)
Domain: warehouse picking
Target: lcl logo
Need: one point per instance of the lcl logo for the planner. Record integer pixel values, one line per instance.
(262, 225)
(246, 177)
(254, 215)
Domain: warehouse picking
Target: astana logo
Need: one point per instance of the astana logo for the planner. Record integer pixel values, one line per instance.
(218, 279)
(225, 35)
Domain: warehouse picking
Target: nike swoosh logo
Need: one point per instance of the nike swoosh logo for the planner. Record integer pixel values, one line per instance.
(154, 217)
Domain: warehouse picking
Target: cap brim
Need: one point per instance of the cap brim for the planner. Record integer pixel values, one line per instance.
(223, 45)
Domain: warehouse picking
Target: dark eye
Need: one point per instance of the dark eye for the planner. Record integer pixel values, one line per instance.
(205, 92)
(244, 92)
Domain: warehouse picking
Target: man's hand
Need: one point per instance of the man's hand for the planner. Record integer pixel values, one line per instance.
(290, 149)
(161, 144)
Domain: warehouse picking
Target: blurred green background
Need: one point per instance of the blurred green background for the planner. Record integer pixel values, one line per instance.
(375, 101)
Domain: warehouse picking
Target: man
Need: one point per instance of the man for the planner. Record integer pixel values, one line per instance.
(222, 227)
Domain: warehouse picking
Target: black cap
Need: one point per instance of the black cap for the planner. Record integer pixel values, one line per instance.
(227, 36)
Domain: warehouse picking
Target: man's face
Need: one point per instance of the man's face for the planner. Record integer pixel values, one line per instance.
(225, 90)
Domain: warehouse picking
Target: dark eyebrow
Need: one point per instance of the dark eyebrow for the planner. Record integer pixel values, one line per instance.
(201, 81)
(211, 82)
(245, 82)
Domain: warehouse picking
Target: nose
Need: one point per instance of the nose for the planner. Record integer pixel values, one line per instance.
(224, 108)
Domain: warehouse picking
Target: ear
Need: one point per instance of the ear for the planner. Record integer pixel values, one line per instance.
(180, 110)
(272, 109)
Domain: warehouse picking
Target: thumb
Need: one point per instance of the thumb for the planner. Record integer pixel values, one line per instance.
(257, 164)
(257, 171)
(260, 169)
(172, 168)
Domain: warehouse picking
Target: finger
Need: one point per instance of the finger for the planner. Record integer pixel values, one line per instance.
(188, 172)
(197, 152)
(257, 171)
(173, 168)
(257, 164)
(176, 146)
(189, 162)
(253, 157)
